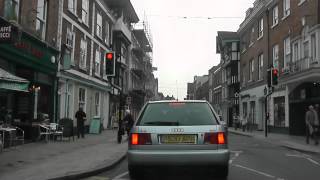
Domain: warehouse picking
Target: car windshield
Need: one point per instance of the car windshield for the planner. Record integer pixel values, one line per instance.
(177, 114)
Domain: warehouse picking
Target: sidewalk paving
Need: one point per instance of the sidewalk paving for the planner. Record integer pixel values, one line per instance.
(289, 141)
(62, 160)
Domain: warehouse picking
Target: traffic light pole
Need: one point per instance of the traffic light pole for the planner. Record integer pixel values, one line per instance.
(266, 113)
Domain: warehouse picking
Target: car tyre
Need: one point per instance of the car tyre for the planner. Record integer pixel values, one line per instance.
(135, 173)
(223, 172)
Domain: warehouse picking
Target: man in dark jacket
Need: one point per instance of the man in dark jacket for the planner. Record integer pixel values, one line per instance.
(128, 119)
(312, 123)
(81, 117)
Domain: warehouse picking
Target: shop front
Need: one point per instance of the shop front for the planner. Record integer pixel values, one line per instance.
(28, 89)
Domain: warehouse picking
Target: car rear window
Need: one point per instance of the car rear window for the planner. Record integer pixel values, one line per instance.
(177, 114)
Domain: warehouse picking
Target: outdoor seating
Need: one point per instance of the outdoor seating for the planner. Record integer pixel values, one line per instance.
(19, 136)
(56, 131)
(44, 131)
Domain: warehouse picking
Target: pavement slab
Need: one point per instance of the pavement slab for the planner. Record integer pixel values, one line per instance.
(62, 160)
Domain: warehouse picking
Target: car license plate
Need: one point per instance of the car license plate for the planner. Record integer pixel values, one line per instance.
(178, 139)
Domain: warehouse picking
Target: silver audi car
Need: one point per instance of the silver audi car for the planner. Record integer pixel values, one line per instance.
(178, 133)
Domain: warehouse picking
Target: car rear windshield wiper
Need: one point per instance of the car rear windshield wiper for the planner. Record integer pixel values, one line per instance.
(163, 123)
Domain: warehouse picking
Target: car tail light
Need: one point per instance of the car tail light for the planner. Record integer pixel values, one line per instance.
(140, 139)
(215, 138)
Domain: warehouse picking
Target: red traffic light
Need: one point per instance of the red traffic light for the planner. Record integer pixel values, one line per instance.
(275, 72)
(109, 56)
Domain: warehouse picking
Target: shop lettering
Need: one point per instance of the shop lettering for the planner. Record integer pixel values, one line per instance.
(5, 32)
(28, 48)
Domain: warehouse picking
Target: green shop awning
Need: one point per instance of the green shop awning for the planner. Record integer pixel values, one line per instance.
(9, 81)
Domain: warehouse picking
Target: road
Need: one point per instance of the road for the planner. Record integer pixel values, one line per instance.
(250, 159)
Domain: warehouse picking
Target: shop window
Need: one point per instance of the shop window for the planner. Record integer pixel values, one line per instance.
(11, 9)
(279, 112)
(41, 18)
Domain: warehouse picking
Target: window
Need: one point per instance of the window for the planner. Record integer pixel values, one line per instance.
(82, 98)
(70, 42)
(107, 37)
(234, 46)
(251, 69)
(183, 114)
(97, 63)
(301, 2)
(85, 11)
(275, 16)
(83, 54)
(306, 49)
(11, 9)
(260, 30)
(275, 56)
(286, 8)
(287, 52)
(97, 104)
(313, 47)
(99, 25)
(260, 67)
(69, 101)
(251, 37)
(41, 18)
(72, 6)
(296, 52)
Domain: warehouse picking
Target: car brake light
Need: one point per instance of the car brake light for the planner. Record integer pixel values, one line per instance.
(215, 138)
(140, 139)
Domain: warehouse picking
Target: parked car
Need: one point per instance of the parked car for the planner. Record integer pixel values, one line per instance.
(178, 133)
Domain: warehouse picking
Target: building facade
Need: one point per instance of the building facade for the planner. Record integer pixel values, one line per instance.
(283, 35)
(253, 33)
(215, 88)
(228, 45)
(28, 61)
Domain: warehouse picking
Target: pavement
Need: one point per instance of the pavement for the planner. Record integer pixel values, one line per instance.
(63, 159)
(288, 141)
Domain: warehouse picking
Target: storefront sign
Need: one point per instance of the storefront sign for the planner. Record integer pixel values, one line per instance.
(27, 47)
(7, 31)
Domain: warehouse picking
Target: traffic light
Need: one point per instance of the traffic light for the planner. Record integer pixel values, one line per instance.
(269, 77)
(275, 75)
(110, 64)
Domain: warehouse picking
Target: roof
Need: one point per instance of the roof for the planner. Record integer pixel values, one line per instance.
(228, 35)
(127, 7)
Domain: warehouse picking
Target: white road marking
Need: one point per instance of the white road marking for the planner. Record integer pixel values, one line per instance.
(313, 161)
(303, 156)
(120, 176)
(255, 171)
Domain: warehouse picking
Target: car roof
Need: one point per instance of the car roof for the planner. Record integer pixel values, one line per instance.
(177, 101)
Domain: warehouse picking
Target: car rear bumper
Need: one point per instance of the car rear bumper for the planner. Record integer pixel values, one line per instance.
(177, 158)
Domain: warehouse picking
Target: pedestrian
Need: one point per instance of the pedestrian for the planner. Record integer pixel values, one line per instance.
(128, 120)
(3, 113)
(81, 118)
(249, 123)
(312, 124)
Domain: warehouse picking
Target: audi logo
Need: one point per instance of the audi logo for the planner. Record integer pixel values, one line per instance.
(177, 130)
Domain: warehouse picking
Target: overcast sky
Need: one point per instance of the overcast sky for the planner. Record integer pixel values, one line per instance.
(184, 37)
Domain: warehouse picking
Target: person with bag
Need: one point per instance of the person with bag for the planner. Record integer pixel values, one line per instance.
(312, 123)
(128, 119)
(81, 118)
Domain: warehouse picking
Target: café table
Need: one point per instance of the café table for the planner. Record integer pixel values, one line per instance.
(9, 131)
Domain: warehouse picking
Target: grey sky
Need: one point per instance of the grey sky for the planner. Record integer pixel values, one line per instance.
(184, 47)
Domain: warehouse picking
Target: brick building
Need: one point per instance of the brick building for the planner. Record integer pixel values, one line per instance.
(282, 34)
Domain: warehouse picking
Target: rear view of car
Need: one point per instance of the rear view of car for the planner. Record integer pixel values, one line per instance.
(178, 133)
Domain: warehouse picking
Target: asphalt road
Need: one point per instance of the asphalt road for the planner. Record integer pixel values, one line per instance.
(250, 159)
